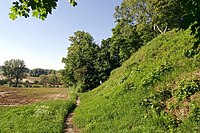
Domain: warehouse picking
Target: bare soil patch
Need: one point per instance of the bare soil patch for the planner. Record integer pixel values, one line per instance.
(22, 96)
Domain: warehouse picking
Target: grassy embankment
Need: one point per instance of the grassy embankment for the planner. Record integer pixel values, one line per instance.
(156, 90)
(45, 114)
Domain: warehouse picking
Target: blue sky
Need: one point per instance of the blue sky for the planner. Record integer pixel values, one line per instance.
(42, 44)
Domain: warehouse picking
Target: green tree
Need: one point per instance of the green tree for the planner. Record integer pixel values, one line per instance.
(14, 69)
(124, 41)
(37, 72)
(39, 8)
(161, 15)
(191, 12)
(80, 70)
(105, 63)
(53, 79)
(44, 80)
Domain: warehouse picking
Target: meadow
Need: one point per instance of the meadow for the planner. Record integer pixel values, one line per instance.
(34, 109)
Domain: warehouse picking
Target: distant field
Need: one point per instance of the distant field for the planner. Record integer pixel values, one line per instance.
(21, 96)
(31, 79)
(34, 110)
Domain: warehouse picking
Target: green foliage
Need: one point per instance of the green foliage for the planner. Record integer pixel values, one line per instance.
(73, 2)
(191, 9)
(14, 69)
(194, 51)
(80, 70)
(87, 64)
(50, 80)
(39, 71)
(186, 89)
(104, 63)
(40, 117)
(159, 15)
(53, 79)
(124, 41)
(156, 74)
(43, 80)
(122, 104)
(195, 114)
(39, 8)
(157, 100)
(155, 13)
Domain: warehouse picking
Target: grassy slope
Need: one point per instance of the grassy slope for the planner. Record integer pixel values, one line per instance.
(139, 96)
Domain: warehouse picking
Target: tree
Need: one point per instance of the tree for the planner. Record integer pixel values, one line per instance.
(80, 70)
(14, 69)
(104, 64)
(160, 15)
(37, 72)
(191, 12)
(53, 80)
(124, 41)
(44, 80)
(39, 8)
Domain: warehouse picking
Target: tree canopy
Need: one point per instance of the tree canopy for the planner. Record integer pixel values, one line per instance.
(161, 15)
(38, 8)
(14, 69)
(80, 69)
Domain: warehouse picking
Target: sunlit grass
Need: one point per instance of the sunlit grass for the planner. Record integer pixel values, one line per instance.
(135, 98)
(40, 117)
(45, 113)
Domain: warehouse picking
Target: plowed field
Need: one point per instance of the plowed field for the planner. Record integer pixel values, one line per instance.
(22, 96)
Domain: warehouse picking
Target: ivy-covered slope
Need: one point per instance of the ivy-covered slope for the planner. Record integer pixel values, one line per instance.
(156, 90)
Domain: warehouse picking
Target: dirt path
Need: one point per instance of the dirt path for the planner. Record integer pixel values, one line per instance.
(69, 127)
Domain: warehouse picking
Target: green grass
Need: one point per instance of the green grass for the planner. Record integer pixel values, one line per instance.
(138, 96)
(40, 117)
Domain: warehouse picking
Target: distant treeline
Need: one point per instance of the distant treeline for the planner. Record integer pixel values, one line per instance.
(39, 71)
(36, 72)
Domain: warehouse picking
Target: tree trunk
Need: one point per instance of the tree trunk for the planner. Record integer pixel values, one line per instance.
(17, 81)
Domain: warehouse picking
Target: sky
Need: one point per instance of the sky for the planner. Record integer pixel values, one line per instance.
(43, 44)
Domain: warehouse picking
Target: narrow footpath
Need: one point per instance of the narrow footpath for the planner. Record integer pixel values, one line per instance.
(69, 127)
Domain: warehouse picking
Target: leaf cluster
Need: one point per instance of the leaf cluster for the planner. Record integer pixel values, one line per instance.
(156, 74)
(38, 8)
(186, 89)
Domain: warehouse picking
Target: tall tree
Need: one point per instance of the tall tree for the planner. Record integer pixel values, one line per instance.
(152, 17)
(104, 63)
(80, 68)
(14, 69)
(124, 41)
(160, 15)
